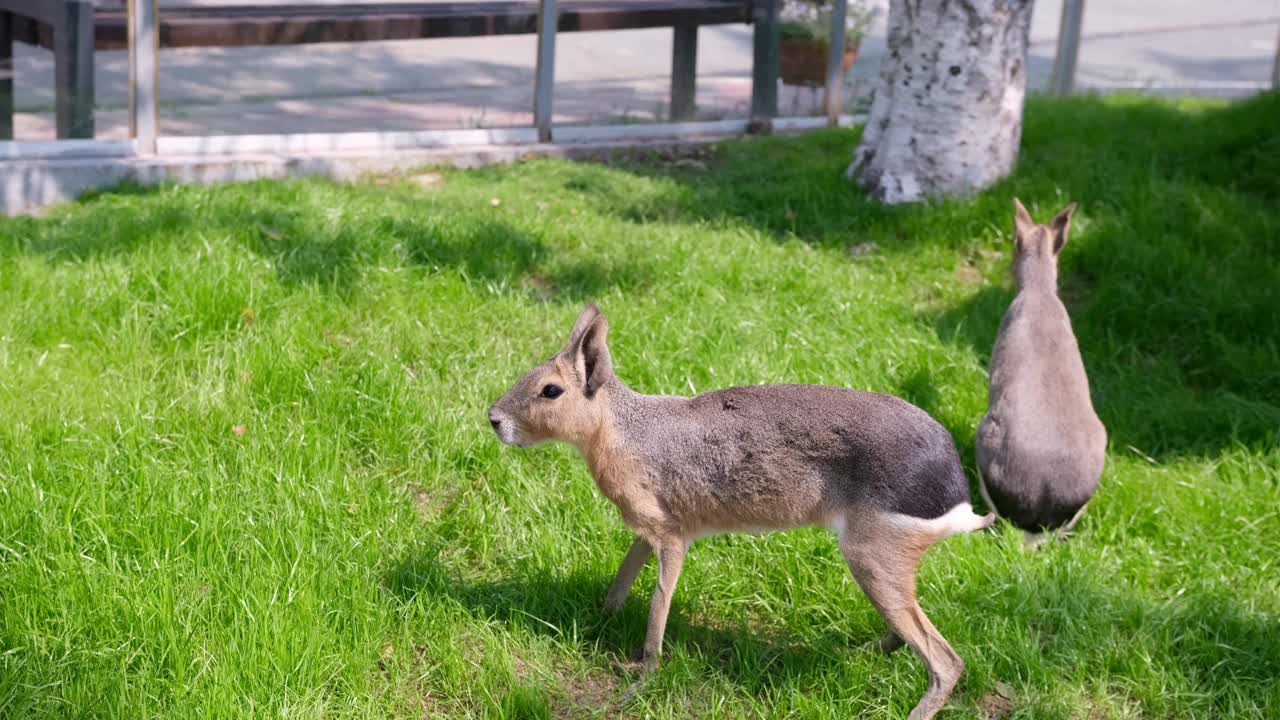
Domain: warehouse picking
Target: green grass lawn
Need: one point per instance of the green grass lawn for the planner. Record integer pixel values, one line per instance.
(245, 469)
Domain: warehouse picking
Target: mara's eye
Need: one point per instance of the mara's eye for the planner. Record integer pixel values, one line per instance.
(552, 391)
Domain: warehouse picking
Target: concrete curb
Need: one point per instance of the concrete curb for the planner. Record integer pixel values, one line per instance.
(33, 185)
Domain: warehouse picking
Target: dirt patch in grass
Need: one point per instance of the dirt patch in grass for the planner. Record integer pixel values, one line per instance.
(427, 180)
(574, 694)
(1097, 712)
(968, 275)
(427, 504)
(410, 691)
(690, 157)
(976, 265)
(994, 707)
(594, 694)
(998, 704)
(520, 667)
(423, 180)
(542, 287)
(863, 249)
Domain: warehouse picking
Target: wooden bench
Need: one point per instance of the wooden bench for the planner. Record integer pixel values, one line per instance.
(74, 28)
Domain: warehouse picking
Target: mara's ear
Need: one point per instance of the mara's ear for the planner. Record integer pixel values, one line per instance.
(591, 355)
(589, 313)
(1060, 224)
(1022, 222)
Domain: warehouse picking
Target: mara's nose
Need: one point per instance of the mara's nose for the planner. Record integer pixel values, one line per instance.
(494, 420)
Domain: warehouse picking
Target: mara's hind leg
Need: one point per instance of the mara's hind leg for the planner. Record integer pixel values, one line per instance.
(883, 554)
(1067, 529)
(1033, 540)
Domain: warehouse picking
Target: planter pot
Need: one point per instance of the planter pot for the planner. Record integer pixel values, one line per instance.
(804, 61)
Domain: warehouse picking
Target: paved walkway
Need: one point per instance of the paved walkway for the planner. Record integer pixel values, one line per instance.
(1167, 46)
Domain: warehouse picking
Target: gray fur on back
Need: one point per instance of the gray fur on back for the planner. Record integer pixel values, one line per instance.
(740, 456)
(1040, 447)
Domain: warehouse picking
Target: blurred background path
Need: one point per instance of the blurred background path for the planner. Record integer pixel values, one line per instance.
(1160, 46)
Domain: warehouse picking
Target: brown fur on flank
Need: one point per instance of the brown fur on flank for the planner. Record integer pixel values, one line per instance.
(1040, 446)
(876, 468)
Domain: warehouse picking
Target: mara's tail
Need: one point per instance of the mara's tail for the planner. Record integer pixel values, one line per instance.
(960, 519)
(975, 522)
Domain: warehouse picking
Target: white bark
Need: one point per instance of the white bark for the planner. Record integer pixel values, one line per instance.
(947, 113)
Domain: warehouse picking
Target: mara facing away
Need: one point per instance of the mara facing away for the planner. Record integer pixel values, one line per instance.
(1040, 447)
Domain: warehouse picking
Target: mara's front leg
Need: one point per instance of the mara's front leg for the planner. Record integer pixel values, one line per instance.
(670, 561)
(626, 577)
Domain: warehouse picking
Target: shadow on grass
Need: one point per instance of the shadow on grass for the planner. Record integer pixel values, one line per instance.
(1226, 658)
(1098, 151)
(129, 219)
(323, 233)
(489, 249)
(496, 251)
(559, 605)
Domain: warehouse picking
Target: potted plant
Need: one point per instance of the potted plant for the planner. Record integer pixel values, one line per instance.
(806, 39)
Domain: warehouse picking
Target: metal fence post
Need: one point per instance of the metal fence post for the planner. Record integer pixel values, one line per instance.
(6, 76)
(73, 68)
(764, 70)
(1275, 67)
(545, 74)
(835, 62)
(144, 75)
(684, 72)
(1064, 63)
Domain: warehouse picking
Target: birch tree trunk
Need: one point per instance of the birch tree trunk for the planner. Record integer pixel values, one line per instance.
(947, 113)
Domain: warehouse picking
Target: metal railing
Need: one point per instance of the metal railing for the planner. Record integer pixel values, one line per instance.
(72, 23)
(1063, 80)
(144, 101)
